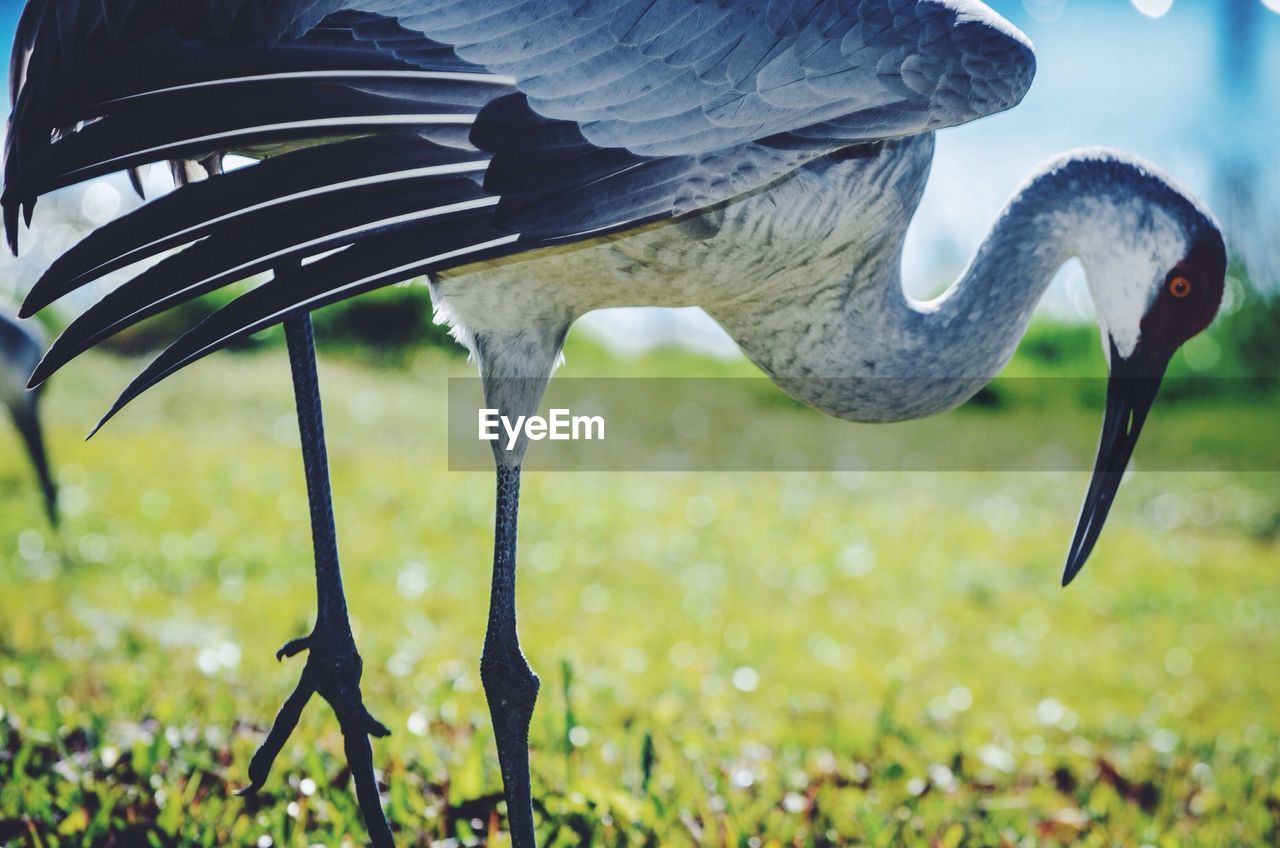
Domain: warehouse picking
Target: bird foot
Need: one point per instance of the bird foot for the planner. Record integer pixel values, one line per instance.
(333, 671)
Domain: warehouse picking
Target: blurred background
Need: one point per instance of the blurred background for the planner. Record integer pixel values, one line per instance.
(727, 659)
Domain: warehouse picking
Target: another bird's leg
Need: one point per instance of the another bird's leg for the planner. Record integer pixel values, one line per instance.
(333, 666)
(509, 684)
(27, 419)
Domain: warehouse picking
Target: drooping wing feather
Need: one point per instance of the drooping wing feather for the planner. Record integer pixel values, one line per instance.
(236, 203)
(669, 78)
(597, 115)
(281, 233)
(738, 71)
(375, 262)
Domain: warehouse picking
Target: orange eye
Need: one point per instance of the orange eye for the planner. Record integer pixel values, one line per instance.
(1179, 287)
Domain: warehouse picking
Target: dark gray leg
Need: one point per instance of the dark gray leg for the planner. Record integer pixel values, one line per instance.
(509, 684)
(333, 666)
(27, 420)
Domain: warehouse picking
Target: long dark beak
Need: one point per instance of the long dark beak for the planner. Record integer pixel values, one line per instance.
(1130, 392)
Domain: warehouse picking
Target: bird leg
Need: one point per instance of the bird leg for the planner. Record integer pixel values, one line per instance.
(27, 419)
(333, 666)
(510, 685)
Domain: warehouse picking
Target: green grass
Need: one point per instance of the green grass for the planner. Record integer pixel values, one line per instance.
(742, 659)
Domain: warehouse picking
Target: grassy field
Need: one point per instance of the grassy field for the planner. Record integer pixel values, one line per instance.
(745, 659)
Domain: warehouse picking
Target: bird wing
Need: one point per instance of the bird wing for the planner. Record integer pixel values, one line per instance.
(417, 134)
(673, 77)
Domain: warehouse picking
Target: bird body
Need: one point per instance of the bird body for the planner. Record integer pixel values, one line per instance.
(805, 275)
(510, 127)
(539, 159)
(781, 268)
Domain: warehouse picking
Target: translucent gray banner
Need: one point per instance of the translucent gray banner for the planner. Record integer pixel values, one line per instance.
(712, 424)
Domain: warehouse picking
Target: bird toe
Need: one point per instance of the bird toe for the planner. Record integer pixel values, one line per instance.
(293, 647)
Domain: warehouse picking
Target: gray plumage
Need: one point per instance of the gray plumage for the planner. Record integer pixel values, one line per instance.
(805, 275)
(585, 118)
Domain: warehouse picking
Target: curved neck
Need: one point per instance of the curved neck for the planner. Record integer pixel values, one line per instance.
(882, 356)
(974, 326)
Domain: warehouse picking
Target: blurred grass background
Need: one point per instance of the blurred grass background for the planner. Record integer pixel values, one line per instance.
(733, 659)
(749, 660)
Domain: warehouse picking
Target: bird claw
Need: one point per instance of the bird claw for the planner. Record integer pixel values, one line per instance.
(333, 671)
(375, 728)
(293, 647)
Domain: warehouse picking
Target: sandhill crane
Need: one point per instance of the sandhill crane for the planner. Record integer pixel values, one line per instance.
(20, 349)
(539, 159)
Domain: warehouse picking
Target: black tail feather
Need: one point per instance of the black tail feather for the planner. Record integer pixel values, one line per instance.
(191, 128)
(163, 85)
(199, 209)
(258, 242)
(374, 262)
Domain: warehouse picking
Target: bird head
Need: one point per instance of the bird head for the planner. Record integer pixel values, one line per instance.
(1156, 265)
